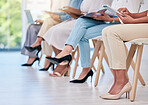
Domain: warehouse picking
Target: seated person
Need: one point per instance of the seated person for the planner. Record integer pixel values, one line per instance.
(83, 30)
(74, 5)
(54, 19)
(135, 26)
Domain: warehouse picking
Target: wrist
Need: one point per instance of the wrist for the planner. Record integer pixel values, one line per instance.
(111, 20)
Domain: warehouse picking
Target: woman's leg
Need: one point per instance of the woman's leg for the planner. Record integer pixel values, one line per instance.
(116, 35)
(77, 33)
(48, 23)
(47, 50)
(31, 36)
(85, 48)
(107, 48)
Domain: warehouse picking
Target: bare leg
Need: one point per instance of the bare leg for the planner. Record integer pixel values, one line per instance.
(121, 81)
(56, 51)
(46, 64)
(114, 74)
(37, 42)
(30, 60)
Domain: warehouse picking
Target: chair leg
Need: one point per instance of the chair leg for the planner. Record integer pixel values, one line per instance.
(97, 47)
(100, 62)
(133, 66)
(137, 67)
(76, 63)
(102, 68)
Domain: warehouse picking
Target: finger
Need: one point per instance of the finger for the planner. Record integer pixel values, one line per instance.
(126, 15)
(120, 16)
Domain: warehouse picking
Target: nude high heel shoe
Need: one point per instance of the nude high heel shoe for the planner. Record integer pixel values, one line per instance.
(126, 89)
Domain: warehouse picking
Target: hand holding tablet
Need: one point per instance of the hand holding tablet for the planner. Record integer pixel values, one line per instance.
(114, 12)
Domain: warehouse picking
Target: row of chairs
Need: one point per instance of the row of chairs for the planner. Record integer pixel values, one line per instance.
(99, 52)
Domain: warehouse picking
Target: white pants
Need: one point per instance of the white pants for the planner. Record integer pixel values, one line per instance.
(113, 37)
(48, 23)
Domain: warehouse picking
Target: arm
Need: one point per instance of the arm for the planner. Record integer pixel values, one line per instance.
(139, 15)
(71, 10)
(130, 20)
(105, 18)
(133, 15)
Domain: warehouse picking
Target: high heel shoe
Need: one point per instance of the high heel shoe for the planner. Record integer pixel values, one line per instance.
(90, 73)
(58, 61)
(57, 74)
(126, 89)
(37, 59)
(30, 49)
(45, 69)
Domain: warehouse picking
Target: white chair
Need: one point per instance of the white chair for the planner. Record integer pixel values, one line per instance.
(136, 44)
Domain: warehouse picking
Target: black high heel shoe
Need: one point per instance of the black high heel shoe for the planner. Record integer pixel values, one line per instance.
(90, 73)
(57, 61)
(46, 69)
(30, 49)
(37, 59)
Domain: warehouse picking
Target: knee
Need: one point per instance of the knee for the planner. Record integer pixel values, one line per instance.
(84, 40)
(113, 32)
(81, 21)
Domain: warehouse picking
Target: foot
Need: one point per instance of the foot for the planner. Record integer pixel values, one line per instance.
(30, 60)
(112, 88)
(67, 50)
(118, 87)
(60, 69)
(37, 43)
(83, 73)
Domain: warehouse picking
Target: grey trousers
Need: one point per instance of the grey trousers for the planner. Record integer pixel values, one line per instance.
(31, 37)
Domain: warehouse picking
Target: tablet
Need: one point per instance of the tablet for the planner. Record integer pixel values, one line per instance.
(113, 11)
(29, 17)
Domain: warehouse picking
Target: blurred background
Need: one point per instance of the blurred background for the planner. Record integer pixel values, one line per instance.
(13, 22)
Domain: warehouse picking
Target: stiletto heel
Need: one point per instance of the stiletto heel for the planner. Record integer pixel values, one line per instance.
(90, 73)
(126, 89)
(58, 61)
(68, 64)
(46, 69)
(37, 59)
(128, 94)
(91, 78)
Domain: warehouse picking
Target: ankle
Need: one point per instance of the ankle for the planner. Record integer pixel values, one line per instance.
(68, 49)
(121, 82)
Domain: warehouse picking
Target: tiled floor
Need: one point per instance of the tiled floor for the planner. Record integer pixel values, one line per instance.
(28, 86)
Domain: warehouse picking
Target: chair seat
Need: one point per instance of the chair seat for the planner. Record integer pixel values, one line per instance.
(140, 41)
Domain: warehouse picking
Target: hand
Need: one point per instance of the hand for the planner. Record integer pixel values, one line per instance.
(39, 21)
(124, 10)
(48, 12)
(55, 17)
(127, 19)
(103, 17)
(66, 7)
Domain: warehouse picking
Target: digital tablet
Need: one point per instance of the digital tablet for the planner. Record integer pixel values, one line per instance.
(29, 17)
(114, 12)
